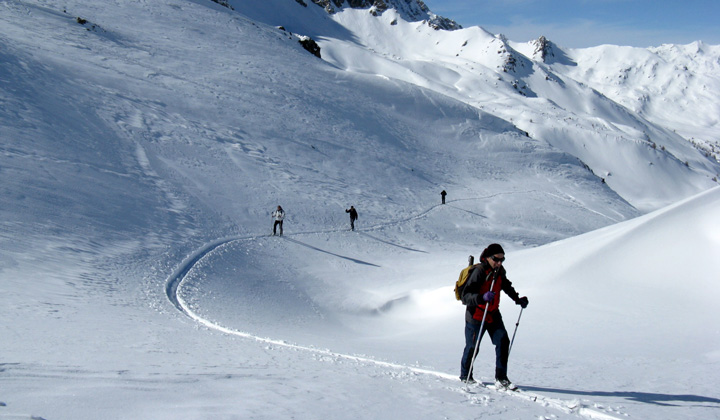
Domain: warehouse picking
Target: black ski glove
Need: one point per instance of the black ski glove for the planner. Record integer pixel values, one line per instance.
(523, 302)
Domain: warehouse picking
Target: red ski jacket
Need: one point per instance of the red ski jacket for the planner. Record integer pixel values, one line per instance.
(478, 283)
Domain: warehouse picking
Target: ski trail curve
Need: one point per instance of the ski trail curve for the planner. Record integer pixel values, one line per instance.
(565, 406)
(175, 280)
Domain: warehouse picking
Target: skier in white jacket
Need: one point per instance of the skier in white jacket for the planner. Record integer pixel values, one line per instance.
(278, 215)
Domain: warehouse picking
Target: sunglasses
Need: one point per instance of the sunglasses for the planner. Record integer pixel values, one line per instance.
(496, 259)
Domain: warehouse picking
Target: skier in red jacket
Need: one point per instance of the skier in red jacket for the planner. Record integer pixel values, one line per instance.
(477, 296)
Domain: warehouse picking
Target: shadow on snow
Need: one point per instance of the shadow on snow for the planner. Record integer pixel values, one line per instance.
(643, 397)
(390, 243)
(330, 253)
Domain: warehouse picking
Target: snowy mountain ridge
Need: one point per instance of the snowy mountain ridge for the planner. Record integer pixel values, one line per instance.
(637, 79)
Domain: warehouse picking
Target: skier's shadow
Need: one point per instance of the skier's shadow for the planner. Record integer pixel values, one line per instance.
(467, 211)
(390, 243)
(356, 261)
(643, 397)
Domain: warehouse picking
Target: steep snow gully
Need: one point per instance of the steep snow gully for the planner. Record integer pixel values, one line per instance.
(174, 283)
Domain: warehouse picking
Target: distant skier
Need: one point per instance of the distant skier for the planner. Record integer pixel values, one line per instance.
(476, 296)
(443, 194)
(353, 216)
(279, 216)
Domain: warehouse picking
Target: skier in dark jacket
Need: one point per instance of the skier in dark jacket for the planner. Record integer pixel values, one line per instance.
(443, 194)
(477, 296)
(353, 216)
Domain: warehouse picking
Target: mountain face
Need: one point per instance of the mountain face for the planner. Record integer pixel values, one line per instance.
(656, 107)
(675, 86)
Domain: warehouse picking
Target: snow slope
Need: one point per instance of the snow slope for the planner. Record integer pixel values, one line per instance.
(143, 148)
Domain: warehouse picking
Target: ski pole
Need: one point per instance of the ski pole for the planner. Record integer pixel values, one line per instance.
(480, 333)
(514, 332)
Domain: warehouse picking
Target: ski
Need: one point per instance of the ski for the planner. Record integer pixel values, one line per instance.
(506, 384)
(511, 390)
(516, 392)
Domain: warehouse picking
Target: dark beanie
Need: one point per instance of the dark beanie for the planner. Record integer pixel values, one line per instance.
(492, 249)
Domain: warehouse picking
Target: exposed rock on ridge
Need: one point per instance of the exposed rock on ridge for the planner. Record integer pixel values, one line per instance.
(543, 48)
(411, 10)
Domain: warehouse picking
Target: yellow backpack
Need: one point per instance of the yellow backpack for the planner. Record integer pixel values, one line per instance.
(464, 275)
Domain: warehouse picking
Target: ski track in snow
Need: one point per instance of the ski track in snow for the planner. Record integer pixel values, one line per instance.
(175, 280)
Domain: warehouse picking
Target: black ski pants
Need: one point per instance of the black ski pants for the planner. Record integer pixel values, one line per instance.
(275, 225)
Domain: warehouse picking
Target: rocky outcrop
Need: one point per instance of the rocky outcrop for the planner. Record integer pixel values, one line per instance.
(548, 52)
(410, 10)
(310, 45)
(543, 49)
(224, 3)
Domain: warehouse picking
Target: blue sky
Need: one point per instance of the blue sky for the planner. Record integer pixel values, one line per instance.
(586, 23)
